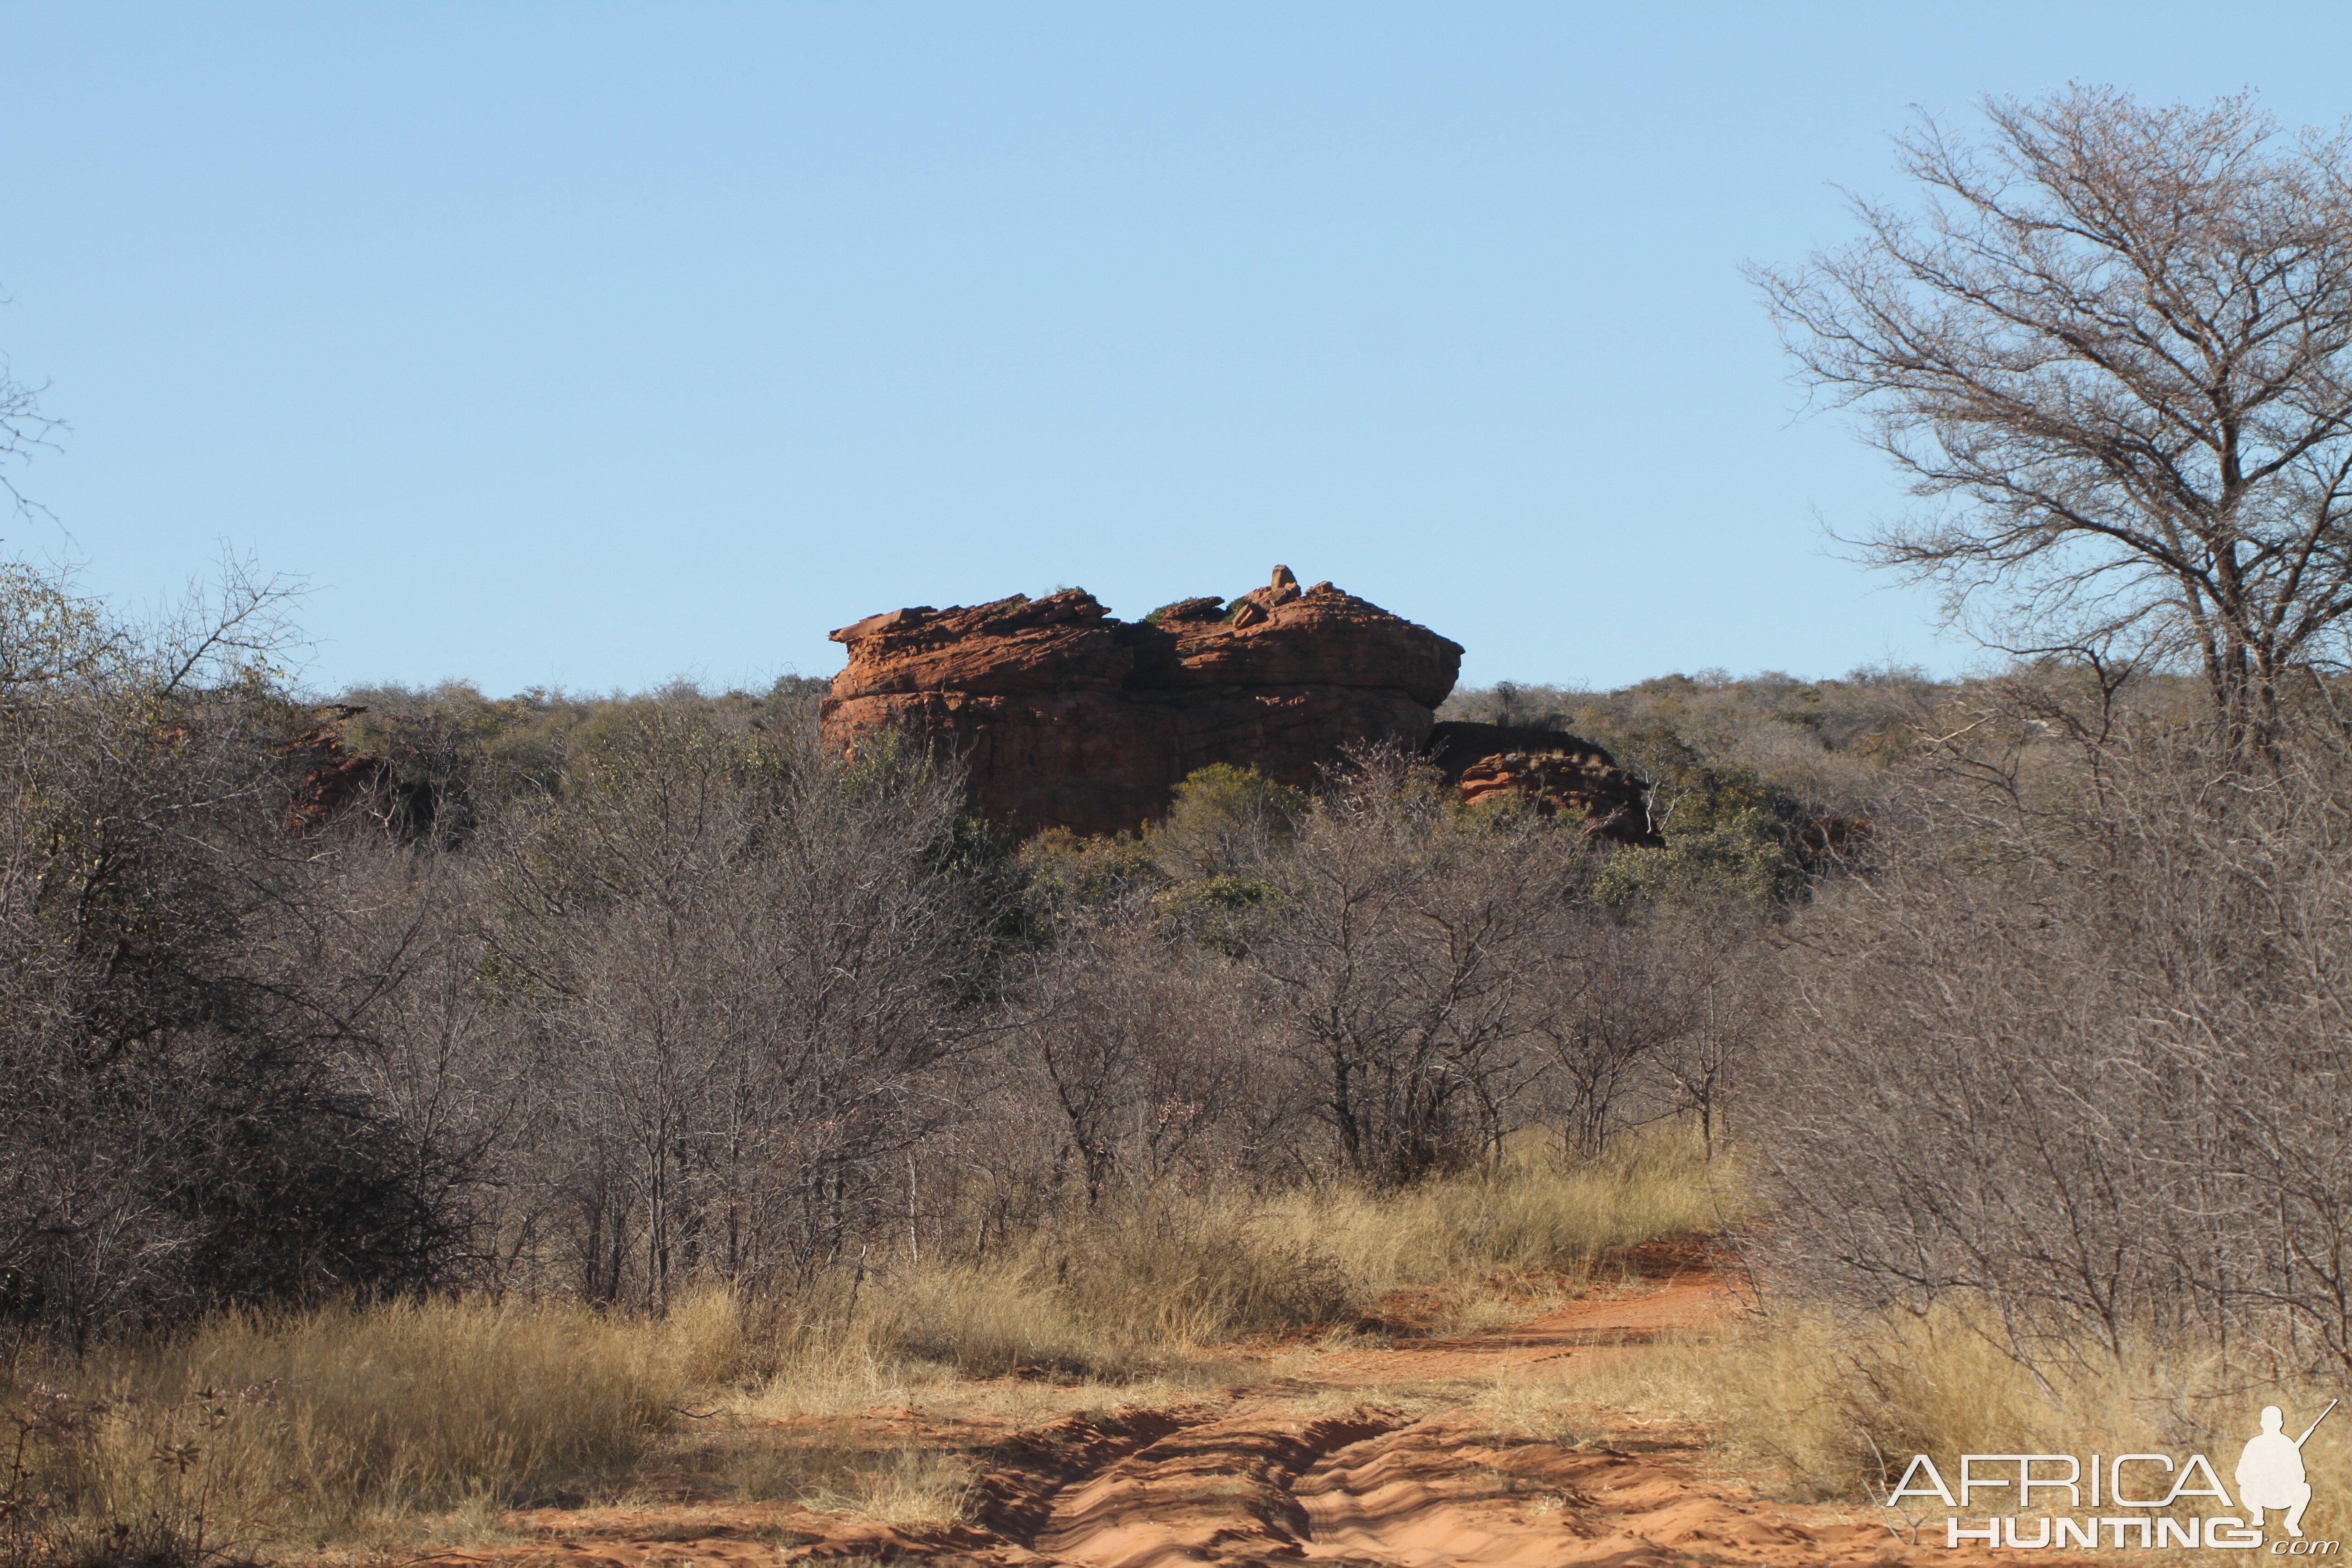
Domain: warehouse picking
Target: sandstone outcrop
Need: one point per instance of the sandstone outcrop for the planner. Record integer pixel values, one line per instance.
(330, 777)
(1547, 771)
(1065, 717)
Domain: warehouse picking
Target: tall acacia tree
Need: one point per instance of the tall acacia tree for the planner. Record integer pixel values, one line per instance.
(2111, 346)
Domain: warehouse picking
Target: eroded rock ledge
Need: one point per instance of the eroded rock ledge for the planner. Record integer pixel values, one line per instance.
(1068, 718)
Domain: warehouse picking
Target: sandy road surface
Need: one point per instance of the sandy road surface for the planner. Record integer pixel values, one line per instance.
(1348, 1459)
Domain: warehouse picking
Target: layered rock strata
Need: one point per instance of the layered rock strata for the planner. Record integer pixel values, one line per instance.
(1547, 771)
(1065, 717)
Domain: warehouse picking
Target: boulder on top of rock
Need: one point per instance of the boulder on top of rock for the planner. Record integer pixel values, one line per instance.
(1284, 637)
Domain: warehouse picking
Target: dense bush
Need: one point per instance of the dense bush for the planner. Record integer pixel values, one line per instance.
(2076, 1047)
(606, 997)
(184, 979)
(2019, 990)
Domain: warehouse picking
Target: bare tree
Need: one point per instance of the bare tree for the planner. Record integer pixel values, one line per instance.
(2074, 1052)
(1701, 1062)
(22, 428)
(2117, 341)
(1404, 951)
(1617, 996)
(754, 971)
(1151, 1054)
(177, 1128)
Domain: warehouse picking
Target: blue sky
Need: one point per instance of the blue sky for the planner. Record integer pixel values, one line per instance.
(597, 345)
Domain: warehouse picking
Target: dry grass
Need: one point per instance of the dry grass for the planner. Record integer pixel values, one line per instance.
(1139, 1305)
(1833, 1409)
(259, 1431)
(861, 1469)
(1149, 1292)
(272, 1432)
(1534, 1217)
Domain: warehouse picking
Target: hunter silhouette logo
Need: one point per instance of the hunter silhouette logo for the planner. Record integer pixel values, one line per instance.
(2142, 1490)
(2270, 1472)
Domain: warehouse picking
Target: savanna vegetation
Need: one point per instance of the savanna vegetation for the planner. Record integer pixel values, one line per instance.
(421, 1152)
(377, 1168)
(376, 1172)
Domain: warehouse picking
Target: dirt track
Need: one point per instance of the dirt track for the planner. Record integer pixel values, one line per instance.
(1314, 1466)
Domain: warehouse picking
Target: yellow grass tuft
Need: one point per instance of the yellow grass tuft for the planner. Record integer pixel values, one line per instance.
(1534, 1212)
(264, 1428)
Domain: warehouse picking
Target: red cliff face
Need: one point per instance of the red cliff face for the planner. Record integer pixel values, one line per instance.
(1068, 718)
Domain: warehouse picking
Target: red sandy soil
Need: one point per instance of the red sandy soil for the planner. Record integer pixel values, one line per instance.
(1309, 1467)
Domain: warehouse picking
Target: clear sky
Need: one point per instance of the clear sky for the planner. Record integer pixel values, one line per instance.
(597, 345)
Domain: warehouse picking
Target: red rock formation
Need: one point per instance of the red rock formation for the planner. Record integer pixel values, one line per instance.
(1547, 771)
(333, 777)
(1065, 717)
